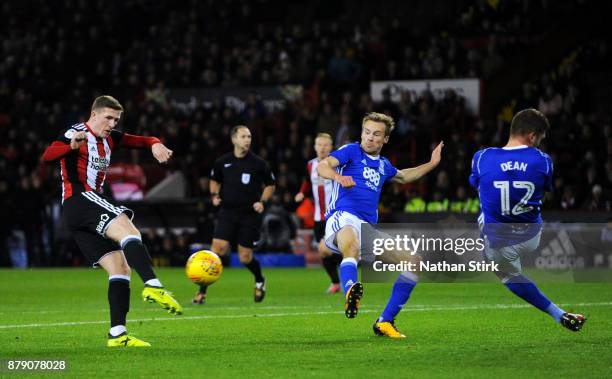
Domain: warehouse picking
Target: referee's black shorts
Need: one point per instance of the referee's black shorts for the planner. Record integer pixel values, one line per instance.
(88, 215)
(242, 226)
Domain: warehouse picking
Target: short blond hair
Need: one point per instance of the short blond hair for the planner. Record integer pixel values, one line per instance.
(382, 118)
(325, 135)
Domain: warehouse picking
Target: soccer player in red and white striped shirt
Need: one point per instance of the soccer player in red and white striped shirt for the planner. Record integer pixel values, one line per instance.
(103, 230)
(320, 190)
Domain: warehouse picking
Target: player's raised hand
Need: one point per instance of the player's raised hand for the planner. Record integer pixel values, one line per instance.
(345, 181)
(78, 139)
(216, 200)
(299, 197)
(161, 152)
(436, 154)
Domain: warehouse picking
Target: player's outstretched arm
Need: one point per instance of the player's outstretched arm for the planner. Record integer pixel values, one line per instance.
(326, 169)
(409, 175)
(159, 150)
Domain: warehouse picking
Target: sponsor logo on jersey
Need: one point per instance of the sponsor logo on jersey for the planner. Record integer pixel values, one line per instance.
(372, 178)
(99, 163)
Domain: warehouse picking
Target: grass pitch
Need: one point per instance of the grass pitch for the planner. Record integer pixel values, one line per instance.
(454, 330)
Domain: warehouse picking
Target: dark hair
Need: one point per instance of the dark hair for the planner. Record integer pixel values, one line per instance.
(106, 101)
(529, 121)
(235, 130)
(382, 118)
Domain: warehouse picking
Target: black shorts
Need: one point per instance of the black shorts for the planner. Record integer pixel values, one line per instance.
(88, 215)
(319, 230)
(244, 226)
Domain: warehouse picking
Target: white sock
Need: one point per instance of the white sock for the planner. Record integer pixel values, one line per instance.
(117, 330)
(153, 283)
(122, 277)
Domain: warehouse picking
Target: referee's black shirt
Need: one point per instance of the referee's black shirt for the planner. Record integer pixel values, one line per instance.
(242, 180)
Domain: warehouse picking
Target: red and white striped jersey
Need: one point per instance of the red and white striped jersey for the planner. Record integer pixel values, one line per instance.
(320, 188)
(84, 169)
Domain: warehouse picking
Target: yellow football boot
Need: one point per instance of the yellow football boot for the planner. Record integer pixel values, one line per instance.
(162, 297)
(125, 340)
(388, 329)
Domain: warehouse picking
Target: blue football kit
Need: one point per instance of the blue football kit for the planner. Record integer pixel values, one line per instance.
(511, 183)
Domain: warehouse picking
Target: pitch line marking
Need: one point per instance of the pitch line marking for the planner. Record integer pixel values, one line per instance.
(269, 315)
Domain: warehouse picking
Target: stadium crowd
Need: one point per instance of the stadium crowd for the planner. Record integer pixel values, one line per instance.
(52, 66)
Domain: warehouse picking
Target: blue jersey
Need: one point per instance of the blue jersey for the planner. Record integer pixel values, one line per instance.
(369, 174)
(511, 183)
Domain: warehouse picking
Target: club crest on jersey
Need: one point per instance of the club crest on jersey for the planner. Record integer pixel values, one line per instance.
(381, 167)
(246, 178)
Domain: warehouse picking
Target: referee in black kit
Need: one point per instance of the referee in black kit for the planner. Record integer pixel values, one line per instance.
(241, 182)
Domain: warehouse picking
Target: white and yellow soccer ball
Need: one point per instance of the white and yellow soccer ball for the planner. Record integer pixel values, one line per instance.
(204, 267)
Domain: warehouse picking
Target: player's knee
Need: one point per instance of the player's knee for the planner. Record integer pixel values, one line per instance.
(220, 248)
(245, 257)
(122, 227)
(349, 248)
(128, 227)
(323, 250)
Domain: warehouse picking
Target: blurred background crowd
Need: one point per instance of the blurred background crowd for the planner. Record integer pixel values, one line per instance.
(56, 58)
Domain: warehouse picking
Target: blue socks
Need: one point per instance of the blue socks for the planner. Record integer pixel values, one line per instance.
(528, 291)
(399, 296)
(348, 273)
(555, 312)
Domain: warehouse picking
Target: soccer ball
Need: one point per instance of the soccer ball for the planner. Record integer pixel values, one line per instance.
(204, 267)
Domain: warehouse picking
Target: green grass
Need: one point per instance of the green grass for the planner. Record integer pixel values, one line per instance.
(454, 330)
